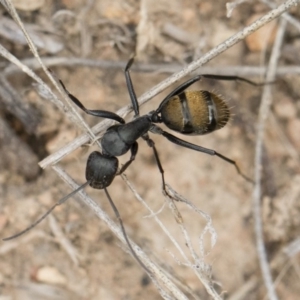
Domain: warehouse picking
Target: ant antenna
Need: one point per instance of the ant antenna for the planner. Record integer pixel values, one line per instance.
(61, 201)
(124, 232)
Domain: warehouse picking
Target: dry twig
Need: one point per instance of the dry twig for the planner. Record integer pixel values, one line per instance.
(63, 241)
(263, 114)
(156, 271)
(242, 71)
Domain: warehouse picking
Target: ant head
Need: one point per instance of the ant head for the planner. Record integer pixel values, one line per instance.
(101, 170)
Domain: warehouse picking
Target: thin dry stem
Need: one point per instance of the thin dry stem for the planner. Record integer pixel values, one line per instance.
(156, 271)
(5, 248)
(17, 63)
(263, 115)
(208, 227)
(63, 241)
(293, 21)
(242, 292)
(200, 268)
(231, 6)
(76, 117)
(241, 71)
(286, 143)
(157, 220)
(292, 248)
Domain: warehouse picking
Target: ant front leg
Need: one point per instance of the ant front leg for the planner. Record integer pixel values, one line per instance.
(157, 130)
(134, 102)
(97, 113)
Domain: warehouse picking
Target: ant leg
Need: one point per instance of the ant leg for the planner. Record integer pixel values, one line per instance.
(130, 88)
(178, 91)
(97, 113)
(123, 230)
(134, 150)
(151, 144)
(157, 130)
(61, 201)
(189, 82)
(235, 78)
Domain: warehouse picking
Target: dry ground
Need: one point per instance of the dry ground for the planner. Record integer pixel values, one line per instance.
(112, 30)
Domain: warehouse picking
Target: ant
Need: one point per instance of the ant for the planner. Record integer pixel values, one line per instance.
(187, 112)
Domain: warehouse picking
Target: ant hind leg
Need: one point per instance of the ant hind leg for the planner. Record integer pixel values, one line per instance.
(157, 130)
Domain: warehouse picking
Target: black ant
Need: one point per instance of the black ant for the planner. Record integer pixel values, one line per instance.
(187, 112)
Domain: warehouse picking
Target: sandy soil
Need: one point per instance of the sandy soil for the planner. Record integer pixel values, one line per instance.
(39, 265)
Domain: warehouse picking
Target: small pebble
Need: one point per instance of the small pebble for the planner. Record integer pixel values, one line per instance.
(50, 275)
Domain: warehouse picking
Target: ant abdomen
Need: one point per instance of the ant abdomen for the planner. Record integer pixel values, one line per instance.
(195, 112)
